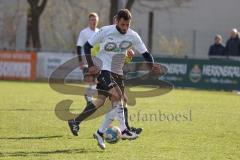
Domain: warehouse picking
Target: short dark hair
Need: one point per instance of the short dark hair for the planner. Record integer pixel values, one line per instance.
(125, 14)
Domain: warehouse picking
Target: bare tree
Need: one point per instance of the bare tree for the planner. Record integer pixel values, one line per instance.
(129, 4)
(9, 34)
(33, 16)
(113, 10)
(70, 20)
(148, 4)
(10, 21)
(159, 5)
(63, 20)
(114, 6)
(175, 45)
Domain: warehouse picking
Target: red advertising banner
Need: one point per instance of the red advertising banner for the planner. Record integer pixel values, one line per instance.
(17, 65)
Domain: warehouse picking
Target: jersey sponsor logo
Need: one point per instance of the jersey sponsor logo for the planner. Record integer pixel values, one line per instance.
(110, 46)
(113, 47)
(125, 45)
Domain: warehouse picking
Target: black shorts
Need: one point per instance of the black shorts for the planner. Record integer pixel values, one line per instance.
(108, 80)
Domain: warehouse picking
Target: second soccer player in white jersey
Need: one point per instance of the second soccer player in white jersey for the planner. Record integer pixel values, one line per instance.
(83, 37)
(114, 40)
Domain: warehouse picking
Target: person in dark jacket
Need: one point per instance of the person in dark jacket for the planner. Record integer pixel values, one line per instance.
(233, 44)
(217, 49)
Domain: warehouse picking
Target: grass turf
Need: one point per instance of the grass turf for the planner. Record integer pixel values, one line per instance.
(181, 125)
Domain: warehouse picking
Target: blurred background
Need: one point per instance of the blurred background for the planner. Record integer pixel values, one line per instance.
(179, 27)
(182, 29)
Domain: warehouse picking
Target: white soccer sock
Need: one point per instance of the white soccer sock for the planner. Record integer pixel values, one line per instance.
(109, 117)
(119, 111)
(89, 98)
(89, 92)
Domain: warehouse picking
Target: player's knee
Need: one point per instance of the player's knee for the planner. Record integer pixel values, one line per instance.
(116, 95)
(115, 98)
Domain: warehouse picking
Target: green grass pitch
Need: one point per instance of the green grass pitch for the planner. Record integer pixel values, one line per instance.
(198, 125)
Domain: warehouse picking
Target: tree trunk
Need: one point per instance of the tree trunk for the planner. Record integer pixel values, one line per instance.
(129, 4)
(33, 37)
(29, 30)
(113, 10)
(35, 32)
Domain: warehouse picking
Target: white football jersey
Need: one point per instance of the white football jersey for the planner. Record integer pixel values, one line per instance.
(83, 37)
(113, 47)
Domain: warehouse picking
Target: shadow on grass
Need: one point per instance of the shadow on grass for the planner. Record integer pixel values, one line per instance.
(46, 153)
(24, 138)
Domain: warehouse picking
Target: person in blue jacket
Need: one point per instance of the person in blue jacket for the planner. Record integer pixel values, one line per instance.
(217, 49)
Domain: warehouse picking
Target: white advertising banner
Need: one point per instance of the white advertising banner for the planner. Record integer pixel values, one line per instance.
(47, 62)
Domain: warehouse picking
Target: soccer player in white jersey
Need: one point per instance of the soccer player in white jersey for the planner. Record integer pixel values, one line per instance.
(84, 35)
(129, 56)
(114, 40)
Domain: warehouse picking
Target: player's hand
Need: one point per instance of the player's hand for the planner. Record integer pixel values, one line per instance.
(130, 53)
(157, 69)
(93, 70)
(81, 65)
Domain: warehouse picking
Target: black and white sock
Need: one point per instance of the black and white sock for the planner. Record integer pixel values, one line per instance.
(126, 117)
(88, 111)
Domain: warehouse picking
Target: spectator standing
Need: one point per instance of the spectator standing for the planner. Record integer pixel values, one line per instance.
(217, 49)
(233, 44)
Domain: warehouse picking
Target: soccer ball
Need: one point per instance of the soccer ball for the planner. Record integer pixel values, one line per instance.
(112, 134)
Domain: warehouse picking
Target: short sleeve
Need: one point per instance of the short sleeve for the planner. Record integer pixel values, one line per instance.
(81, 40)
(139, 45)
(97, 37)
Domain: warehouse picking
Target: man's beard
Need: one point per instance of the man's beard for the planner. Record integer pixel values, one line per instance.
(119, 30)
